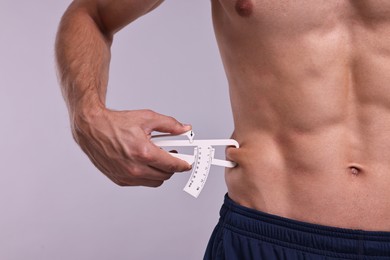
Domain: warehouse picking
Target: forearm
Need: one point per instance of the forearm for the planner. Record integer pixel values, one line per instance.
(83, 58)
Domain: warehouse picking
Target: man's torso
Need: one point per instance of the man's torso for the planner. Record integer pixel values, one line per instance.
(309, 84)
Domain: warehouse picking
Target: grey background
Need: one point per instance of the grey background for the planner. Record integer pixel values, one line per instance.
(54, 203)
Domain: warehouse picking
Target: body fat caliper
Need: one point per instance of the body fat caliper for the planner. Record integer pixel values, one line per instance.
(201, 160)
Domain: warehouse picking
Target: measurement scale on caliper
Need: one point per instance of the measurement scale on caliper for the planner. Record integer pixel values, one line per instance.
(201, 160)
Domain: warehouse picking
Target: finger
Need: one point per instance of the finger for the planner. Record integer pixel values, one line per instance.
(163, 161)
(167, 124)
(151, 173)
(141, 175)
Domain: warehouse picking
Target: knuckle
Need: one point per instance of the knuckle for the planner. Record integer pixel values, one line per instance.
(149, 114)
(136, 172)
(143, 154)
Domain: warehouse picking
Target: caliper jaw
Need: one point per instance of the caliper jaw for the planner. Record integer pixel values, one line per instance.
(201, 160)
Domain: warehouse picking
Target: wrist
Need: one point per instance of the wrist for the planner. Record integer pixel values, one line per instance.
(82, 116)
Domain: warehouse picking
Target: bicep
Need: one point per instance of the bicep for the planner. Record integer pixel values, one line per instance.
(113, 15)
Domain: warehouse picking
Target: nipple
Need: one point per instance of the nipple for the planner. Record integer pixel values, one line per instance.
(244, 8)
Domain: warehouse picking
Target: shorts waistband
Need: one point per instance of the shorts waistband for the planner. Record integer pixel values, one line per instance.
(329, 241)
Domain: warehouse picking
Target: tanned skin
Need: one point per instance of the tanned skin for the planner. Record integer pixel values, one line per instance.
(309, 84)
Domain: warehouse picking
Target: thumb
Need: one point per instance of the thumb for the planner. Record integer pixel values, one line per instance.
(168, 124)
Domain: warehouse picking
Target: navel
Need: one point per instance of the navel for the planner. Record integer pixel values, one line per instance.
(354, 170)
(244, 8)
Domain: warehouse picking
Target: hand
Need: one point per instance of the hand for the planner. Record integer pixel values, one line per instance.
(118, 143)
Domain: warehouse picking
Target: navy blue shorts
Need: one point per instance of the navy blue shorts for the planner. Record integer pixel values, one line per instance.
(243, 233)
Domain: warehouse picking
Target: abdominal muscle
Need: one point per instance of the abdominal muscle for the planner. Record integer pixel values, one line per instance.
(312, 116)
(309, 179)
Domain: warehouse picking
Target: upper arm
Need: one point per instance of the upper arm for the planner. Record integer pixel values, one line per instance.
(113, 15)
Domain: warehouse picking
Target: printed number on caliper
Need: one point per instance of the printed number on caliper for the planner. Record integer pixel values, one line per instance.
(201, 160)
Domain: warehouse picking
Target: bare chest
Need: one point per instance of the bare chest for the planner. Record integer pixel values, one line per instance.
(302, 14)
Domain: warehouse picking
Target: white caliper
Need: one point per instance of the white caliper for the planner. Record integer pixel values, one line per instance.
(201, 160)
